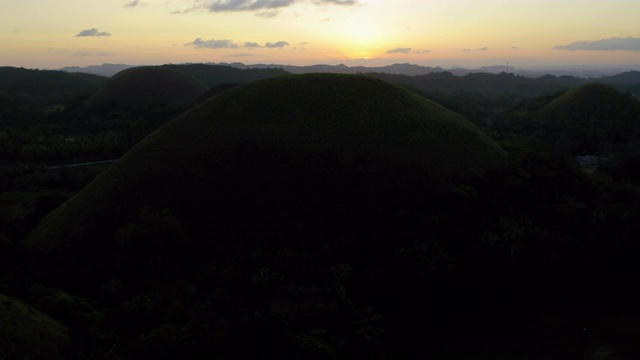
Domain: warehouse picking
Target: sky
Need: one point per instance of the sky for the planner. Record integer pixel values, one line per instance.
(48, 34)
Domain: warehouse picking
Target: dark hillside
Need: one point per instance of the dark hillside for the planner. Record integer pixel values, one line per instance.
(505, 84)
(47, 87)
(338, 216)
(140, 87)
(28, 334)
(214, 75)
(301, 147)
(592, 118)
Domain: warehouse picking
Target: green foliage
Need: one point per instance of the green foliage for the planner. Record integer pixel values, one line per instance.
(203, 243)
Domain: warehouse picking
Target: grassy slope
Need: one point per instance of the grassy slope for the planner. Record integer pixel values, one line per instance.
(214, 75)
(592, 118)
(138, 87)
(26, 333)
(281, 145)
(46, 87)
(592, 101)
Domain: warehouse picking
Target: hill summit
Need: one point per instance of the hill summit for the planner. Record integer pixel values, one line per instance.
(592, 118)
(291, 153)
(136, 88)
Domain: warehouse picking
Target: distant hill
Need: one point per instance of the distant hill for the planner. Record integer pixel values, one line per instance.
(593, 118)
(215, 75)
(137, 88)
(625, 78)
(277, 155)
(46, 87)
(505, 84)
(107, 70)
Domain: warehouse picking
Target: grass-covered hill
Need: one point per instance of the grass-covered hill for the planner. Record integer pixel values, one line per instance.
(46, 87)
(26, 333)
(593, 118)
(277, 154)
(215, 75)
(140, 87)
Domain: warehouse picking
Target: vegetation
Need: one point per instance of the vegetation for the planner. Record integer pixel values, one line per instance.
(28, 334)
(140, 87)
(294, 218)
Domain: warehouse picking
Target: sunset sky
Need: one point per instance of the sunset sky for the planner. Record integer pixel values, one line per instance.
(49, 34)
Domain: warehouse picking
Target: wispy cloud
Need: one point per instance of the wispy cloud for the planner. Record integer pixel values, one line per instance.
(277, 44)
(90, 53)
(479, 49)
(240, 55)
(250, 44)
(230, 44)
(613, 44)
(247, 5)
(399, 51)
(262, 8)
(338, 2)
(422, 51)
(134, 3)
(212, 44)
(267, 14)
(92, 33)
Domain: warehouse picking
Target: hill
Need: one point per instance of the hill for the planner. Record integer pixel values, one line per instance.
(46, 87)
(137, 88)
(28, 334)
(107, 70)
(215, 75)
(593, 118)
(283, 154)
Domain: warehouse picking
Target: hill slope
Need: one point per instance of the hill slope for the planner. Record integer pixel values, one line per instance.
(136, 88)
(46, 87)
(592, 118)
(214, 75)
(283, 154)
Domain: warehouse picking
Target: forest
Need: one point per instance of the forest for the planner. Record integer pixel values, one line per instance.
(510, 238)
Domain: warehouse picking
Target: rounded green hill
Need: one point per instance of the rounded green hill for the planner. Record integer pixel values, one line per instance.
(592, 118)
(28, 334)
(139, 87)
(272, 156)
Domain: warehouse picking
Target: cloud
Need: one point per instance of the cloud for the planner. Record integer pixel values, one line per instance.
(230, 44)
(278, 44)
(515, 48)
(134, 3)
(466, 50)
(399, 51)
(483, 49)
(240, 55)
(264, 8)
(338, 2)
(613, 44)
(212, 44)
(247, 5)
(92, 33)
(267, 14)
(90, 53)
(422, 51)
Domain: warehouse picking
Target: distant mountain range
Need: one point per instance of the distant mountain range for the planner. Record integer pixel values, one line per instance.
(397, 69)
